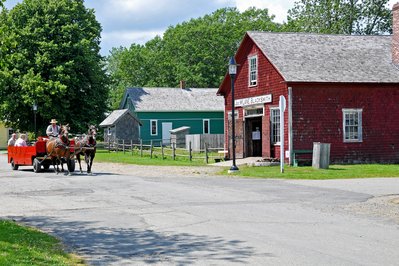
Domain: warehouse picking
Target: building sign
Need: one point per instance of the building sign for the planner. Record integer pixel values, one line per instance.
(253, 100)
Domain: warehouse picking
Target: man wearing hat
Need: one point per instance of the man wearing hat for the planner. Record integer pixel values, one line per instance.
(53, 130)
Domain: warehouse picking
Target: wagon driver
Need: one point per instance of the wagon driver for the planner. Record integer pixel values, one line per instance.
(53, 130)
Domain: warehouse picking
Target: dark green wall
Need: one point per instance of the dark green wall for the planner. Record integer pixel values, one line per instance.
(179, 119)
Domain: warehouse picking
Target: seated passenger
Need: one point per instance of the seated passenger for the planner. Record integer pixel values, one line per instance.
(11, 141)
(21, 141)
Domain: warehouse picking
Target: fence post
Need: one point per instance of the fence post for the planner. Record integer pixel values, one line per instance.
(141, 147)
(162, 149)
(131, 146)
(123, 146)
(206, 153)
(174, 151)
(189, 148)
(117, 145)
(151, 150)
(109, 144)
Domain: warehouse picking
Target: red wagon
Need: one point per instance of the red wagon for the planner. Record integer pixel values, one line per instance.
(35, 155)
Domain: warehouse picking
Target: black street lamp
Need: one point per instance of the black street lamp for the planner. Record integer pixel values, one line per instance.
(34, 107)
(232, 73)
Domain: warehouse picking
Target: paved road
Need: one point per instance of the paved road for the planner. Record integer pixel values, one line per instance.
(160, 216)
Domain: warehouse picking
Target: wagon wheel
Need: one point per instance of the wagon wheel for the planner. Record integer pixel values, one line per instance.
(36, 165)
(13, 165)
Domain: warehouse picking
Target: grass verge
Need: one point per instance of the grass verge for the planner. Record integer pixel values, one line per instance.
(135, 158)
(21, 245)
(334, 171)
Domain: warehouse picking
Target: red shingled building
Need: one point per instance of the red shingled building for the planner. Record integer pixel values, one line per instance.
(340, 89)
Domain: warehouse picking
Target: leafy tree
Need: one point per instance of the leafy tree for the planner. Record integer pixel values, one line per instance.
(340, 17)
(196, 51)
(51, 58)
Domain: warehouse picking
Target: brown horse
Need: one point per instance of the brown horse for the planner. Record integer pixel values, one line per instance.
(58, 149)
(86, 146)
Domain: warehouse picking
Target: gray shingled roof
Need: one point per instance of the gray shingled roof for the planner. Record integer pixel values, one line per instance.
(114, 117)
(329, 58)
(174, 99)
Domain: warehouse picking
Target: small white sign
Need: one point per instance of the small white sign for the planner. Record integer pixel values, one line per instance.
(253, 100)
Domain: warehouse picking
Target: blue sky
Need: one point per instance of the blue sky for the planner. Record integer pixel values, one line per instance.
(136, 21)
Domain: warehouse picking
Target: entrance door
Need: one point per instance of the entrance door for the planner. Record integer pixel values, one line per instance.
(253, 127)
(166, 133)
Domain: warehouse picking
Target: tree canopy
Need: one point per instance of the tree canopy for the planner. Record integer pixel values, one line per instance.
(196, 51)
(50, 56)
(340, 17)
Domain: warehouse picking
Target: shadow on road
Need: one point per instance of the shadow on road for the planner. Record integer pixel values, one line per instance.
(103, 246)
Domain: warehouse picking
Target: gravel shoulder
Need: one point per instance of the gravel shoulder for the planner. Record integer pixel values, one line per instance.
(154, 171)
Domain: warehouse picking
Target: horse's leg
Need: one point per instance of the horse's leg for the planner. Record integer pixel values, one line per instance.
(87, 160)
(68, 162)
(80, 165)
(92, 155)
(54, 162)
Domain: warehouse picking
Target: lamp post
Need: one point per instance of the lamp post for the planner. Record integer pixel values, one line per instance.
(34, 107)
(232, 73)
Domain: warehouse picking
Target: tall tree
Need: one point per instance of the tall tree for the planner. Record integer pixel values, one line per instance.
(195, 51)
(53, 60)
(340, 16)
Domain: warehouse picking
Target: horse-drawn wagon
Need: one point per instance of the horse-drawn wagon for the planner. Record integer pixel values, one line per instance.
(36, 156)
(56, 150)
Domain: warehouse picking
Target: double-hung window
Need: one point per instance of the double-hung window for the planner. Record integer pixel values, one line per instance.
(205, 125)
(275, 125)
(253, 70)
(352, 125)
(154, 127)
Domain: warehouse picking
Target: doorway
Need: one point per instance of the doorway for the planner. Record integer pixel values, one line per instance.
(253, 129)
(166, 127)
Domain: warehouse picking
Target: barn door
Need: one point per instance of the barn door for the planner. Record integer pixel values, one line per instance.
(166, 133)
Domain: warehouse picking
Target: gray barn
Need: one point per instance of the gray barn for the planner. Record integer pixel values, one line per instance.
(121, 125)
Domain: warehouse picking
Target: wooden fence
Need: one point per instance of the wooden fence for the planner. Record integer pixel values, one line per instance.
(157, 147)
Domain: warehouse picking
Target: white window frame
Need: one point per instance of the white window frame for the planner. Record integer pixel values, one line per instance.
(236, 114)
(252, 81)
(156, 127)
(109, 132)
(254, 115)
(203, 126)
(277, 128)
(356, 134)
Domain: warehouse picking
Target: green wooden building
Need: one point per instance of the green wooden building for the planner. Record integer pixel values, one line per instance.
(163, 109)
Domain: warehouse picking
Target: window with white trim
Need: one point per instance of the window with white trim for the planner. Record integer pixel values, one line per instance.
(205, 126)
(236, 115)
(352, 125)
(253, 70)
(275, 125)
(154, 127)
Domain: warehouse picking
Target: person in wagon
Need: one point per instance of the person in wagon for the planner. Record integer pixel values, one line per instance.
(21, 141)
(11, 141)
(53, 130)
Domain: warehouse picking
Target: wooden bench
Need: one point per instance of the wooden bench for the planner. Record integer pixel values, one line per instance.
(295, 160)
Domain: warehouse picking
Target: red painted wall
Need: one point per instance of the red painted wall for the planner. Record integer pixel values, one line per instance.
(269, 82)
(318, 117)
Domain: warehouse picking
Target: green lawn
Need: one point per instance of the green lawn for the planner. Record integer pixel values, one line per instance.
(127, 157)
(21, 245)
(334, 171)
